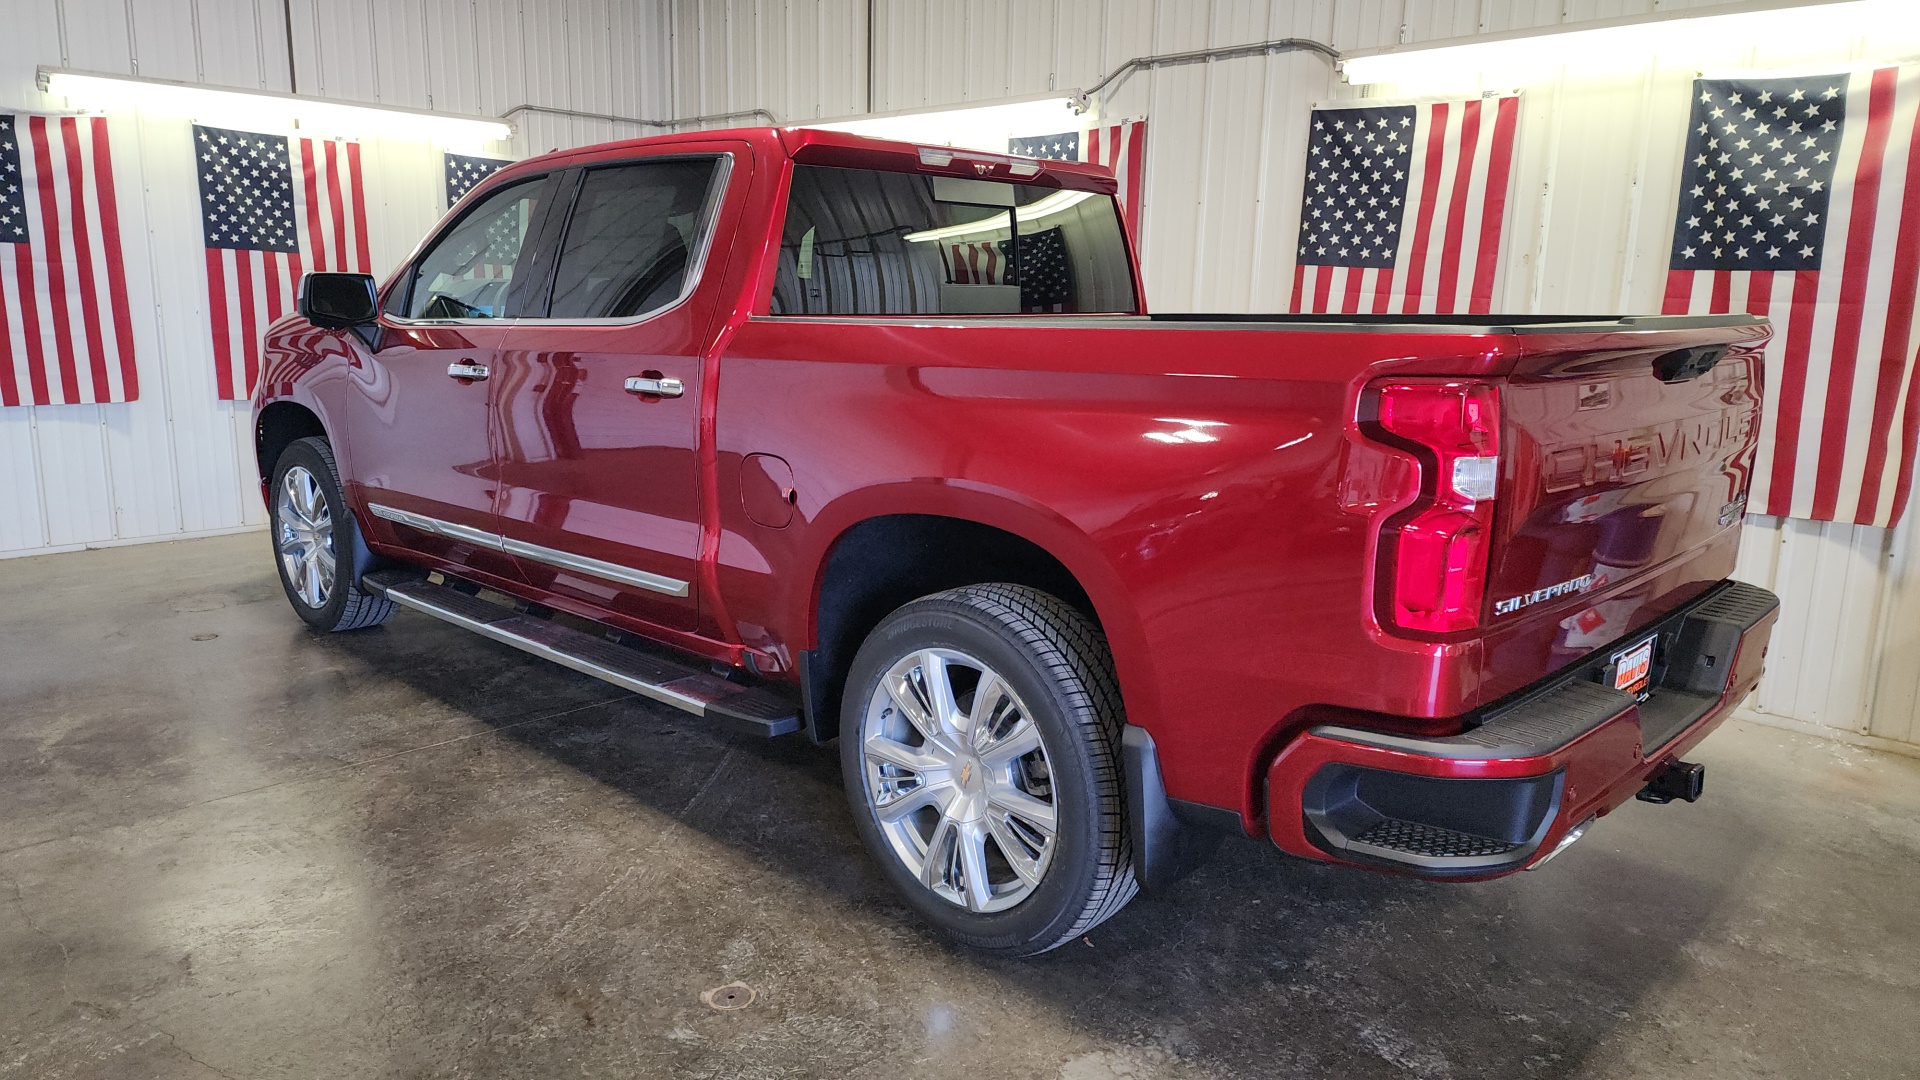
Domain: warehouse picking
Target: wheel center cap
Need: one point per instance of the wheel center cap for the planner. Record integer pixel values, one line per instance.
(972, 776)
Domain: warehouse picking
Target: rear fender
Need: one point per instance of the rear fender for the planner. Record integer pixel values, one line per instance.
(1009, 512)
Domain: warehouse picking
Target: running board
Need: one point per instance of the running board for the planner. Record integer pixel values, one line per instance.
(741, 709)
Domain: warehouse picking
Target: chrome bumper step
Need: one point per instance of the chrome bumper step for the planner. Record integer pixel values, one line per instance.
(741, 709)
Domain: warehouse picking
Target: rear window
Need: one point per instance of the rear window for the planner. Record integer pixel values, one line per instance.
(859, 242)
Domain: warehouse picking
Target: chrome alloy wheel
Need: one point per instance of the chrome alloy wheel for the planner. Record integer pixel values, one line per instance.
(957, 776)
(303, 535)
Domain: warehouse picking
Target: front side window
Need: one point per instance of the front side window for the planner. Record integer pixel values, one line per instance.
(467, 274)
(631, 240)
(860, 242)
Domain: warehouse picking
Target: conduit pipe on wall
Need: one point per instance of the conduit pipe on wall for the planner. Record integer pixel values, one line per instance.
(1224, 52)
(765, 114)
(1081, 100)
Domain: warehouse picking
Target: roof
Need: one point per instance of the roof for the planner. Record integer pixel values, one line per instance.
(820, 146)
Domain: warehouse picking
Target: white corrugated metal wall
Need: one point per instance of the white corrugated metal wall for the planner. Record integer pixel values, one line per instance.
(1597, 177)
(1587, 233)
(1588, 230)
(177, 462)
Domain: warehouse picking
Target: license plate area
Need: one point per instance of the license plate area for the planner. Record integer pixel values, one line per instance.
(1631, 669)
(1697, 653)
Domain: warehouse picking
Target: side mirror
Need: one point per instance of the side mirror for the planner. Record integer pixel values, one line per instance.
(339, 301)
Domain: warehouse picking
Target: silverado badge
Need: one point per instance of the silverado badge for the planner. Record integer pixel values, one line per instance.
(1566, 588)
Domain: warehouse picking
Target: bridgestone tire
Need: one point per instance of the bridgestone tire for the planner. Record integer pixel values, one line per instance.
(1057, 663)
(347, 606)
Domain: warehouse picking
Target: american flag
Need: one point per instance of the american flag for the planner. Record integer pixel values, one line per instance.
(464, 171)
(977, 262)
(1403, 207)
(504, 238)
(64, 317)
(1120, 146)
(1043, 274)
(1046, 279)
(272, 208)
(1800, 201)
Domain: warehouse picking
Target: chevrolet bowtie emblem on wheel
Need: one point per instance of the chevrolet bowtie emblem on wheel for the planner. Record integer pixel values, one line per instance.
(966, 773)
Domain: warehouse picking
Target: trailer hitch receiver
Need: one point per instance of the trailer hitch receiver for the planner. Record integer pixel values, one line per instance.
(1675, 780)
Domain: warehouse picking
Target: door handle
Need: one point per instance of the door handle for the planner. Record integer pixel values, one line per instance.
(467, 369)
(666, 387)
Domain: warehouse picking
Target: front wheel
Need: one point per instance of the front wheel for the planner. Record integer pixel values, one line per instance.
(980, 739)
(315, 543)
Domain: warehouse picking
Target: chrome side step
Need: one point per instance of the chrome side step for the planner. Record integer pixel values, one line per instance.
(742, 709)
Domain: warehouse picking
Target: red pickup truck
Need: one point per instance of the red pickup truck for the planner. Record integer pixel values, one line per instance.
(805, 432)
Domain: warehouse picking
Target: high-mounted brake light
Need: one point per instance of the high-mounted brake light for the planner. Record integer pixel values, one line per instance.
(984, 164)
(1439, 547)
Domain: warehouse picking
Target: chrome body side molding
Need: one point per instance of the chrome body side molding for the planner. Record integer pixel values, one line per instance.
(553, 557)
(594, 567)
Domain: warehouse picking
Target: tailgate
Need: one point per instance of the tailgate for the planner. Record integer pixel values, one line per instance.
(1625, 455)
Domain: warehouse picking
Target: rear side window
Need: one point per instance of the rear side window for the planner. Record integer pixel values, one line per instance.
(467, 274)
(859, 242)
(631, 241)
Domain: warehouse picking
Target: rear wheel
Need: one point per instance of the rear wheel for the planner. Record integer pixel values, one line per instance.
(316, 544)
(980, 746)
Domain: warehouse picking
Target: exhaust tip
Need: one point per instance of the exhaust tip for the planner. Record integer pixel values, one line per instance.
(1566, 842)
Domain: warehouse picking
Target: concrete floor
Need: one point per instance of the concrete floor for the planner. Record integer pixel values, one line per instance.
(231, 848)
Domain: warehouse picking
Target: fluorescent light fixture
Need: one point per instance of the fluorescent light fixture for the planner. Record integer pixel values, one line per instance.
(90, 90)
(1052, 204)
(979, 127)
(1794, 32)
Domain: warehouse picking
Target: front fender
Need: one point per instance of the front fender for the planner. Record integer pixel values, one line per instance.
(308, 367)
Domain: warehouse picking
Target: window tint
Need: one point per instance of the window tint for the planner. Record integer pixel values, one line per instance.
(858, 242)
(630, 241)
(466, 275)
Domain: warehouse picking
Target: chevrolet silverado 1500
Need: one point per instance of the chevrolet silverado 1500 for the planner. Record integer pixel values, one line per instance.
(804, 432)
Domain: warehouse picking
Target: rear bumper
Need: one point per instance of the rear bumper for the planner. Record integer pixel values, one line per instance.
(1529, 770)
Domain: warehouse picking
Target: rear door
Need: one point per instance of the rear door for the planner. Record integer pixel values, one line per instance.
(600, 391)
(422, 455)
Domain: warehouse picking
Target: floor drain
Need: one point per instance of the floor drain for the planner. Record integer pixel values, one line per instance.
(734, 995)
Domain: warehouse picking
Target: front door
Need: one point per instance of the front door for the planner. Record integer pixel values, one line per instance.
(599, 400)
(421, 434)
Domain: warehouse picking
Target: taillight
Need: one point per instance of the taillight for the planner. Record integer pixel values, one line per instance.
(1439, 546)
